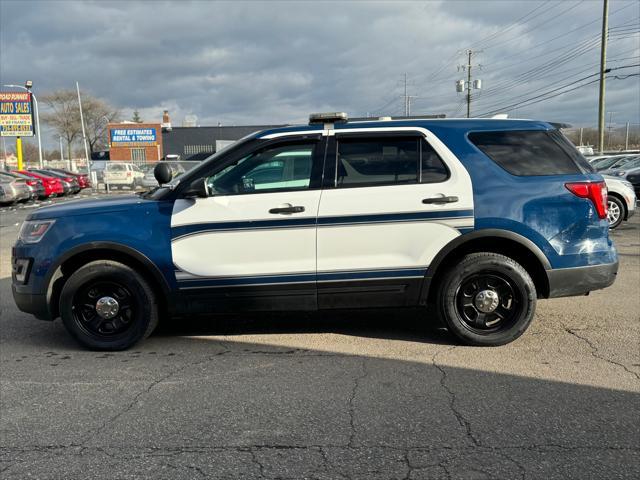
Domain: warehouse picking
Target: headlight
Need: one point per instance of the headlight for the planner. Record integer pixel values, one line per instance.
(32, 231)
(621, 173)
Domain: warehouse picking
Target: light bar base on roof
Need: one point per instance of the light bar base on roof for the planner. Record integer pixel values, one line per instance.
(330, 117)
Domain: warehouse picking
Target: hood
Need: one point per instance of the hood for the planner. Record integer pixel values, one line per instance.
(88, 207)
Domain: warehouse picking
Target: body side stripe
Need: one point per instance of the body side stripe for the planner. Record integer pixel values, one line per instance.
(196, 228)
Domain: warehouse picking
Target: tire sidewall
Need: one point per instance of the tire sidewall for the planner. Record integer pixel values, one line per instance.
(617, 201)
(145, 314)
(475, 264)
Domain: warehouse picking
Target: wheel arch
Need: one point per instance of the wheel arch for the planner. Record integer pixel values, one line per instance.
(80, 255)
(503, 242)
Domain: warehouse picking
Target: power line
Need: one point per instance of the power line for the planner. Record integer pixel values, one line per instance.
(523, 102)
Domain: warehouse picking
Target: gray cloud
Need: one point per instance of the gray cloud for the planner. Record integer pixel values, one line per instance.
(257, 62)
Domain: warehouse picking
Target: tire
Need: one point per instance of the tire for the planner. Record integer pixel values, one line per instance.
(465, 284)
(616, 211)
(98, 281)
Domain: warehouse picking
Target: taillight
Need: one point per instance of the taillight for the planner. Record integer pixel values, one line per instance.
(594, 191)
(128, 174)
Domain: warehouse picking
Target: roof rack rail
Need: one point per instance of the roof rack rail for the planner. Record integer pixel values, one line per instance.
(328, 117)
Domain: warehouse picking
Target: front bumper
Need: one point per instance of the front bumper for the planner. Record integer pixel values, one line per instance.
(567, 282)
(31, 303)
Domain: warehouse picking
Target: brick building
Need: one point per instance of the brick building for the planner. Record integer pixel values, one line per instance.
(135, 142)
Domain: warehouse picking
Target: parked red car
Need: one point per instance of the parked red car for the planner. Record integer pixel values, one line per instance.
(83, 180)
(52, 186)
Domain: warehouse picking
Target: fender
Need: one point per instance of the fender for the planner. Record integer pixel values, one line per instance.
(466, 238)
(118, 247)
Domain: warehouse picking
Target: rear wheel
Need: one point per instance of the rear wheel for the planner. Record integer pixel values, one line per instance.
(615, 212)
(106, 305)
(486, 299)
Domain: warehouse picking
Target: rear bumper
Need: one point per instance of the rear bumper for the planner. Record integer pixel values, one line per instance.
(567, 282)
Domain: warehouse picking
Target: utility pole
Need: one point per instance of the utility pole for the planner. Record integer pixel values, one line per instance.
(609, 130)
(462, 85)
(407, 98)
(581, 130)
(469, 52)
(603, 66)
(626, 138)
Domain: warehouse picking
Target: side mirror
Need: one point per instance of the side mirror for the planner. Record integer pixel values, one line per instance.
(162, 172)
(197, 188)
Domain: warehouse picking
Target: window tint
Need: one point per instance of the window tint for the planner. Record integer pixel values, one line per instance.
(433, 169)
(282, 167)
(526, 153)
(387, 161)
(379, 161)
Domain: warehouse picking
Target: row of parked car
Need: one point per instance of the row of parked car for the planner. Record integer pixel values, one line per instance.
(39, 184)
(622, 175)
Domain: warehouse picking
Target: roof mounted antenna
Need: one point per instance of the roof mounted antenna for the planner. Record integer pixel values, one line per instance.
(328, 119)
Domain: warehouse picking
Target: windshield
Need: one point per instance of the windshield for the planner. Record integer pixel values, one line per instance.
(627, 162)
(605, 163)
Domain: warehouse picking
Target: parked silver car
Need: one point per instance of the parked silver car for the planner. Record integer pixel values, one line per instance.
(14, 189)
(621, 200)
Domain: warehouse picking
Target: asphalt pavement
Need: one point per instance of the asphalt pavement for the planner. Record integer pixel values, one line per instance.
(370, 395)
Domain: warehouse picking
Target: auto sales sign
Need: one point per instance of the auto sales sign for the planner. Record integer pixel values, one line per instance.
(16, 114)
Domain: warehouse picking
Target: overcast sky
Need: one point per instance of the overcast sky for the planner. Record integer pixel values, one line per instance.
(275, 62)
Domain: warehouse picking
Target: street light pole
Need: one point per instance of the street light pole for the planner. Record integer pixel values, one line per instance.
(35, 104)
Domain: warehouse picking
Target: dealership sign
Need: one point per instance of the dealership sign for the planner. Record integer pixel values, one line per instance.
(128, 137)
(16, 114)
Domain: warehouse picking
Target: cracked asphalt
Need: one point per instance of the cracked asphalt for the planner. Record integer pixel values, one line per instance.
(374, 395)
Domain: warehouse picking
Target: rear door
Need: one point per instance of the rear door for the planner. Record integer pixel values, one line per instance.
(252, 243)
(394, 198)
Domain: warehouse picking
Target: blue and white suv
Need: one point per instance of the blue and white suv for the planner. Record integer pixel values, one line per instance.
(479, 218)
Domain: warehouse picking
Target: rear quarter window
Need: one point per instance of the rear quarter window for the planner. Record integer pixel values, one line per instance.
(531, 152)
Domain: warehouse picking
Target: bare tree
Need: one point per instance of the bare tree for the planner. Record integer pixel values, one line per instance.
(97, 115)
(63, 115)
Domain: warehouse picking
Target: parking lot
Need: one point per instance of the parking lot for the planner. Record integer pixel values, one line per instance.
(368, 395)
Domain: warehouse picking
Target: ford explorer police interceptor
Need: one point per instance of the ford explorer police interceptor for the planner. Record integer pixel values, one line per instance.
(477, 217)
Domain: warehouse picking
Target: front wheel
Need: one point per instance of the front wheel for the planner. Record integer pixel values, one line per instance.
(486, 299)
(106, 305)
(615, 211)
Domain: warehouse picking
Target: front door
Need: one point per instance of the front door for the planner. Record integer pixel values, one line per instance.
(395, 198)
(251, 244)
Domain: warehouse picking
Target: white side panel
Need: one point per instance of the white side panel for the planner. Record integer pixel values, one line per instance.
(248, 252)
(396, 229)
(381, 246)
(236, 235)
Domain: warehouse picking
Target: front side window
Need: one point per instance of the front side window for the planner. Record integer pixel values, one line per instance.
(387, 161)
(286, 167)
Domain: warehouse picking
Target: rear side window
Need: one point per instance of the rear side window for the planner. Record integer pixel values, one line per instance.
(387, 161)
(528, 152)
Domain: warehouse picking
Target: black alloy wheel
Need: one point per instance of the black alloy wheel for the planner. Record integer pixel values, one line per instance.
(486, 299)
(488, 302)
(106, 305)
(104, 308)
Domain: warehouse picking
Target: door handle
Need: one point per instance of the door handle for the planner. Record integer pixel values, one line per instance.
(438, 200)
(287, 208)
